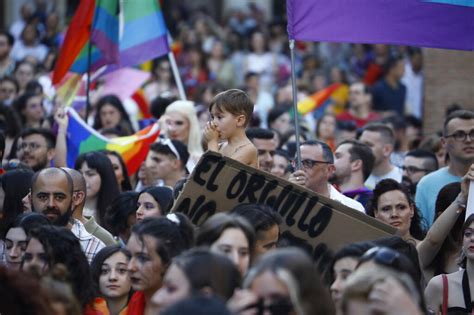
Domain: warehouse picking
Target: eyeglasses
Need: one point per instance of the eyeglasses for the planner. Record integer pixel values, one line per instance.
(382, 255)
(33, 146)
(308, 163)
(461, 135)
(413, 169)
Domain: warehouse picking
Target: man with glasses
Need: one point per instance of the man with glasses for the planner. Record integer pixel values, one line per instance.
(458, 141)
(36, 148)
(317, 166)
(417, 164)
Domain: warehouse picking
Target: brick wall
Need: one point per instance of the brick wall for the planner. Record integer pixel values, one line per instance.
(449, 78)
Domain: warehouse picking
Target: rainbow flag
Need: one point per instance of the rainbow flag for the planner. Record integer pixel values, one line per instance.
(95, 23)
(104, 35)
(82, 138)
(319, 101)
(145, 35)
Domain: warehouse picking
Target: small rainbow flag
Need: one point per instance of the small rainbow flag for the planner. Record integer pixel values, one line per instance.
(318, 102)
(82, 138)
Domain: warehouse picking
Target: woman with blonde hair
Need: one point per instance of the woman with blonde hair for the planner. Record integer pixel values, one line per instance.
(181, 123)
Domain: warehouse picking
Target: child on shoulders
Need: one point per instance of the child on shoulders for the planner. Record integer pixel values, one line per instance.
(231, 111)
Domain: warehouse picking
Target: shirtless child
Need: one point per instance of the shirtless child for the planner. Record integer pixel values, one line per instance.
(231, 111)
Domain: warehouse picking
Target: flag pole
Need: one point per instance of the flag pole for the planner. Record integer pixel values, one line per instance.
(295, 103)
(88, 82)
(177, 77)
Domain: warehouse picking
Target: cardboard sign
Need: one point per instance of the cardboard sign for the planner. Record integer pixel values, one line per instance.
(311, 221)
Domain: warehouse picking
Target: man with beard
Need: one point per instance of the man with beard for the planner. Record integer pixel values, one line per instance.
(416, 164)
(458, 141)
(35, 148)
(263, 140)
(51, 194)
(354, 162)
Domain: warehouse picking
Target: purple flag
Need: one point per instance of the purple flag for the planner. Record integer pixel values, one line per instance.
(426, 23)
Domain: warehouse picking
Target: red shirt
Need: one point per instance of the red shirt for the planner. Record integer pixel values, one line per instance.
(347, 116)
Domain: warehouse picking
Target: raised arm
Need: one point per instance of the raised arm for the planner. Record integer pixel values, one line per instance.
(429, 247)
(61, 118)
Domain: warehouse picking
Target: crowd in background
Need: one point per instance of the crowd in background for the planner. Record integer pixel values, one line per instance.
(90, 238)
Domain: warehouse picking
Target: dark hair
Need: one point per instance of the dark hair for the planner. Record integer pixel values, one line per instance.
(112, 100)
(463, 114)
(318, 132)
(11, 124)
(45, 133)
(100, 257)
(10, 38)
(260, 216)
(109, 188)
(126, 185)
(354, 250)
(16, 185)
(173, 237)
(158, 105)
(296, 263)
(163, 148)
(62, 247)
(275, 113)
(162, 195)
(386, 133)
(34, 87)
(446, 196)
(23, 293)
(408, 250)
(30, 221)
(259, 133)
(203, 268)
(198, 305)
(431, 162)
(361, 151)
(116, 215)
(391, 63)
(212, 229)
(20, 104)
(387, 185)
(463, 259)
(327, 152)
(234, 101)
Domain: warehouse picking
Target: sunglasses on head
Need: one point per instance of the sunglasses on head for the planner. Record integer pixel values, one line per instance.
(382, 255)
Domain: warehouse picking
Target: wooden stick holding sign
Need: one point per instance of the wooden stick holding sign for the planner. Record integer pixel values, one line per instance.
(309, 220)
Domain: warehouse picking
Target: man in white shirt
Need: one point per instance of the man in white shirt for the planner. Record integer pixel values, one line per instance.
(381, 139)
(317, 163)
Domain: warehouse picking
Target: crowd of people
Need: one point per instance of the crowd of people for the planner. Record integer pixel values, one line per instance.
(90, 238)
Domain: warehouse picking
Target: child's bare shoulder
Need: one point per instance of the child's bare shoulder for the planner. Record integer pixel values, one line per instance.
(246, 154)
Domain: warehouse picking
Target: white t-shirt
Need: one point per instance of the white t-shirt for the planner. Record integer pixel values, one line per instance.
(351, 203)
(396, 174)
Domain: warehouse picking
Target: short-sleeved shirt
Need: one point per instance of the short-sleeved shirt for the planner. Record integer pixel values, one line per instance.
(427, 191)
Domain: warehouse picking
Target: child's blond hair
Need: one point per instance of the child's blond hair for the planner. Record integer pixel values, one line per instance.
(234, 101)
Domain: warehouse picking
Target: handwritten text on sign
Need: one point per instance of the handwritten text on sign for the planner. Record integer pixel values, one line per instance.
(316, 222)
